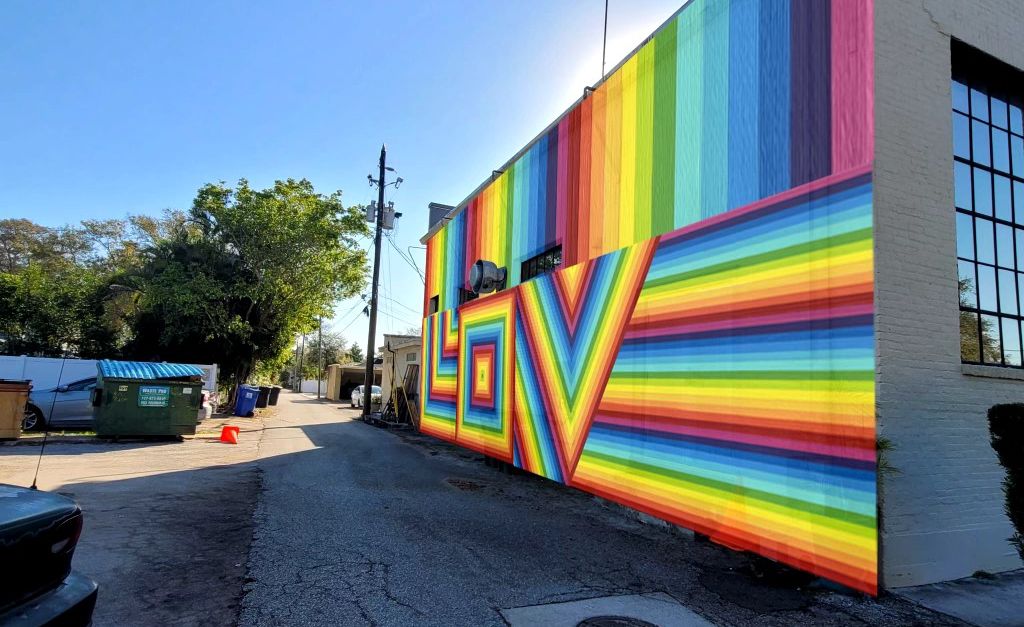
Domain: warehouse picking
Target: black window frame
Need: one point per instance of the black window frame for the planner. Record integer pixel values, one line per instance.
(432, 305)
(984, 75)
(547, 261)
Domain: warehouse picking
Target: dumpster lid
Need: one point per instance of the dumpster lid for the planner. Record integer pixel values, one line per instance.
(146, 370)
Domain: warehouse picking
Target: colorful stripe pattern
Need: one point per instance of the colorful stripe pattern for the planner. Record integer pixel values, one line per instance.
(485, 379)
(706, 353)
(741, 403)
(570, 324)
(440, 370)
(730, 102)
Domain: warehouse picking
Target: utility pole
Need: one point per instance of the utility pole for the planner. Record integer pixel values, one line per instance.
(368, 379)
(319, 356)
(604, 43)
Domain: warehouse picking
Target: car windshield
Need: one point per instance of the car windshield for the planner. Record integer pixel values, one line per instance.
(376, 389)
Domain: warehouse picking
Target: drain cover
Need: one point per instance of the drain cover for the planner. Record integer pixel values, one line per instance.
(614, 621)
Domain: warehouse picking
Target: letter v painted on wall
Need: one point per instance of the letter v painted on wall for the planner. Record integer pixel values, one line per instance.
(569, 329)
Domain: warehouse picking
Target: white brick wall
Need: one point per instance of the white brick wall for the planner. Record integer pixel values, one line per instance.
(943, 514)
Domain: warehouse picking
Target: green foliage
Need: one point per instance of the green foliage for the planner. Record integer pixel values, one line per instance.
(1006, 426)
(250, 270)
(231, 281)
(355, 353)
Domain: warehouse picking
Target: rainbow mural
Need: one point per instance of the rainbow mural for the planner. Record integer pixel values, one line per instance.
(438, 380)
(706, 352)
(729, 102)
(486, 366)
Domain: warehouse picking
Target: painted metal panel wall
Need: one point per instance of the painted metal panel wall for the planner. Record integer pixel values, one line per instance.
(729, 102)
(706, 355)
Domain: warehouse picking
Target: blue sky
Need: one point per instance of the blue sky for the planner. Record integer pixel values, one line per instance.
(119, 107)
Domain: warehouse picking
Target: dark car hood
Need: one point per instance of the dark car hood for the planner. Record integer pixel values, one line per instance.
(23, 510)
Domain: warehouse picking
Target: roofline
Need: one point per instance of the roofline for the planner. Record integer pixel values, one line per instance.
(461, 206)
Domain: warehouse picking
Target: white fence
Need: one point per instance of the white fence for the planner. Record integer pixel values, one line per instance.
(48, 372)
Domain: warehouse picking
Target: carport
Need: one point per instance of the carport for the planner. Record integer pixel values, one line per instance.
(343, 378)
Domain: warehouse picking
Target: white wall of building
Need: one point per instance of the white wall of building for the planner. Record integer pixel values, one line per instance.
(943, 512)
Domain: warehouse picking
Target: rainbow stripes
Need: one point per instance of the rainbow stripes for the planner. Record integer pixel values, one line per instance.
(569, 327)
(486, 370)
(728, 103)
(706, 354)
(742, 400)
(440, 370)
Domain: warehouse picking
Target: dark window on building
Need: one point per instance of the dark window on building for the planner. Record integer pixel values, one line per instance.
(465, 295)
(988, 194)
(544, 262)
(432, 307)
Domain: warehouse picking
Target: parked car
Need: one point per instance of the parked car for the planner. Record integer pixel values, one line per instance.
(62, 407)
(38, 535)
(357, 396)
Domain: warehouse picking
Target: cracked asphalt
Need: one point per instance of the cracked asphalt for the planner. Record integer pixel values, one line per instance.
(360, 526)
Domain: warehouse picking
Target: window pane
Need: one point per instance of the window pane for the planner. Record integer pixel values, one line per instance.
(1011, 341)
(1004, 245)
(982, 191)
(979, 140)
(1016, 120)
(1001, 197)
(962, 185)
(1007, 292)
(984, 237)
(960, 96)
(1018, 201)
(1020, 291)
(990, 349)
(969, 345)
(968, 293)
(1000, 150)
(964, 236)
(979, 105)
(961, 136)
(987, 288)
(998, 112)
(1017, 155)
(1010, 332)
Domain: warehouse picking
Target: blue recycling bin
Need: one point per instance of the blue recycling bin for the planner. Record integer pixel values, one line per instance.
(245, 403)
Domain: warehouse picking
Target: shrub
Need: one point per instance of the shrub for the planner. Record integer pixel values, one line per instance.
(1006, 426)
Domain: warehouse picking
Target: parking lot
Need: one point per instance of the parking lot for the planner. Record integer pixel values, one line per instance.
(167, 524)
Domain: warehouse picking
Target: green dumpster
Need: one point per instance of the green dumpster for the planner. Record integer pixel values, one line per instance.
(134, 398)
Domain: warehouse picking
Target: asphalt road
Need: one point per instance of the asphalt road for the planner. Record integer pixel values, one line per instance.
(167, 524)
(356, 525)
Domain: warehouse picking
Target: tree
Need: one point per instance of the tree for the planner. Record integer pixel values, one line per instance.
(355, 353)
(248, 271)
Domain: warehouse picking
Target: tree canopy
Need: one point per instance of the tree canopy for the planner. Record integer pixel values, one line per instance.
(230, 281)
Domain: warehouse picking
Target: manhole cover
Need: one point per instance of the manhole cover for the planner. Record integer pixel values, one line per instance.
(465, 484)
(614, 621)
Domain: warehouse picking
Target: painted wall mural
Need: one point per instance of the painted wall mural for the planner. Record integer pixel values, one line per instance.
(705, 354)
(729, 102)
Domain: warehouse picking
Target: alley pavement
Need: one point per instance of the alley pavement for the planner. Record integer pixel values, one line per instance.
(356, 525)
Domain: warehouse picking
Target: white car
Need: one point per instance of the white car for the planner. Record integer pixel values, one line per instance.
(357, 396)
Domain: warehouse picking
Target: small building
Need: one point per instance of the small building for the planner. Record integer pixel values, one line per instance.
(343, 378)
(400, 352)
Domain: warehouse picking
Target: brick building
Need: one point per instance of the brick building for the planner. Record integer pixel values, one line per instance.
(732, 266)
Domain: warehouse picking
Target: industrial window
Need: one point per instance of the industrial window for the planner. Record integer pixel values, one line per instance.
(988, 191)
(544, 262)
(432, 306)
